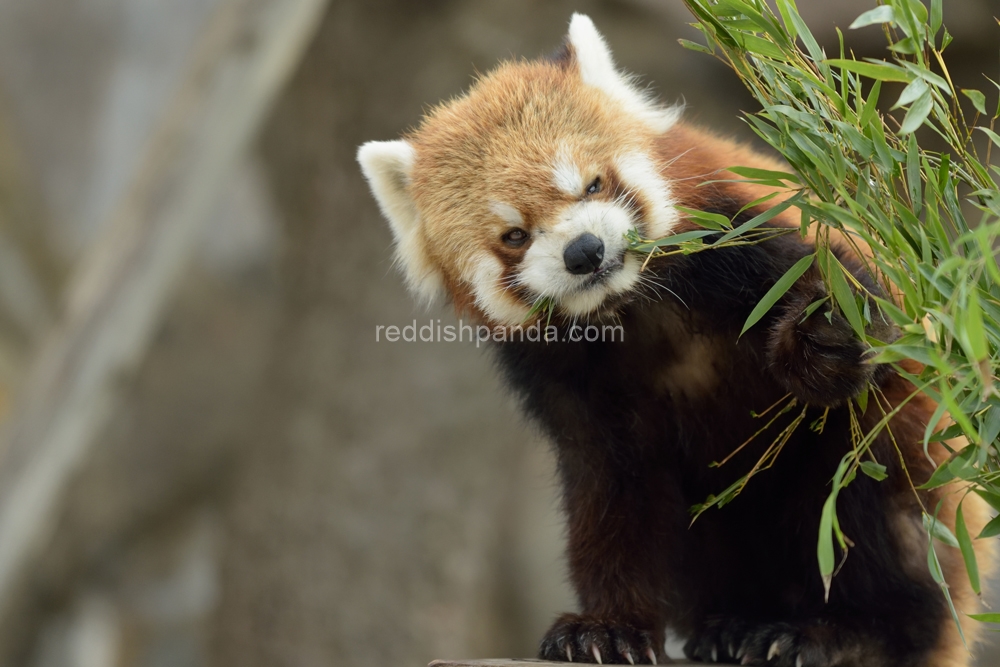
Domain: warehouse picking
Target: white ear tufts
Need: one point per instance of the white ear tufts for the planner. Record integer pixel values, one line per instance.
(597, 68)
(387, 166)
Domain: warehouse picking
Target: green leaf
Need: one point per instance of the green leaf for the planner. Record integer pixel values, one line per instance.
(916, 7)
(844, 296)
(939, 531)
(928, 76)
(786, 8)
(883, 14)
(992, 498)
(915, 89)
(871, 105)
(975, 332)
(913, 182)
(673, 239)
(758, 220)
(777, 291)
(934, 565)
(946, 40)
(706, 219)
(941, 476)
(968, 553)
(874, 470)
(905, 45)
(862, 401)
(992, 529)
(917, 113)
(936, 16)
(812, 307)
(990, 133)
(960, 465)
(978, 99)
(764, 174)
(824, 546)
(756, 45)
(694, 46)
(985, 618)
(880, 71)
(812, 46)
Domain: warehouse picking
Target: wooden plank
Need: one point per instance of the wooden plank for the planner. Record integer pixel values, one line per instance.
(114, 299)
(528, 662)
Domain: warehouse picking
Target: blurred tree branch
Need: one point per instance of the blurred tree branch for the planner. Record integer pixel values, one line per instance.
(30, 274)
(115, 297)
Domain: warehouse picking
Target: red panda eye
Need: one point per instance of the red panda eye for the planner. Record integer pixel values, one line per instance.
(515, 238)
(594, 187)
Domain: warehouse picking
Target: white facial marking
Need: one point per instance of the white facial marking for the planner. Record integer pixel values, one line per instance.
(639, 174)
(597, 68)
(566, 175)
(386, 165)
(543, 269)
(507, 213)
(493, 297)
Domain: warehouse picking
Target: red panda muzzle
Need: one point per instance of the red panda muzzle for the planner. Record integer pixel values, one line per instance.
(584, 254)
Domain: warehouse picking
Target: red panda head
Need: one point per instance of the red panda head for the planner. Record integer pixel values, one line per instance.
(525, 188)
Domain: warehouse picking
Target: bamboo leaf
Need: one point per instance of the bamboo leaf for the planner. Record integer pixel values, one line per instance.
(873, 470)
(978, 99)
(706, 219)
(694, 46)
(985, 618)
(917, 113)
(871, 105)
(844, 296)
(936, 16)
(992, 529)
(939, 531)
(824, 546)
(975, 331)
(915, 89)
(994, 137)
(968, 553)
(913, 183)
(880, 71)
(992, 498)
(812, 46)
(883, 14)
(764, 174)
(778, 290)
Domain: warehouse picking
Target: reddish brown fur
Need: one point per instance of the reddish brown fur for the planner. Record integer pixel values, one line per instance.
(493, 144)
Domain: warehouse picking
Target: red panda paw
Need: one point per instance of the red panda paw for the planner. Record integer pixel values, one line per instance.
(819, 359)
(819, 643)
(576, 638)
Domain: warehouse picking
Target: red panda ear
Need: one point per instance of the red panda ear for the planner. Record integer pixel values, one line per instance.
(387, 166)
(597, 68)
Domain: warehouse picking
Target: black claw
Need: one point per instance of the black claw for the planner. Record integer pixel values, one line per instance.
(575, 638)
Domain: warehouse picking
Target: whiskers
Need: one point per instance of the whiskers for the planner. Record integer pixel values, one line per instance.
(651, 288)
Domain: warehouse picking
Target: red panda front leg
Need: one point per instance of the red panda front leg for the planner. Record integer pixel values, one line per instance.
(617, 545)
(818, 357)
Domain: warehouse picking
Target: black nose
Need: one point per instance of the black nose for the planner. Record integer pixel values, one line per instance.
(584, 254)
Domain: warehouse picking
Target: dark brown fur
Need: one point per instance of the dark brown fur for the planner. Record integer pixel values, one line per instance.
(634, 457)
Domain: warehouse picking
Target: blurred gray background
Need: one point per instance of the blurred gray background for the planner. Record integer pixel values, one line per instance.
(259, 482)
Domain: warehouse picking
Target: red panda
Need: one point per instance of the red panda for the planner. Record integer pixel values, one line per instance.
(523, 190)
